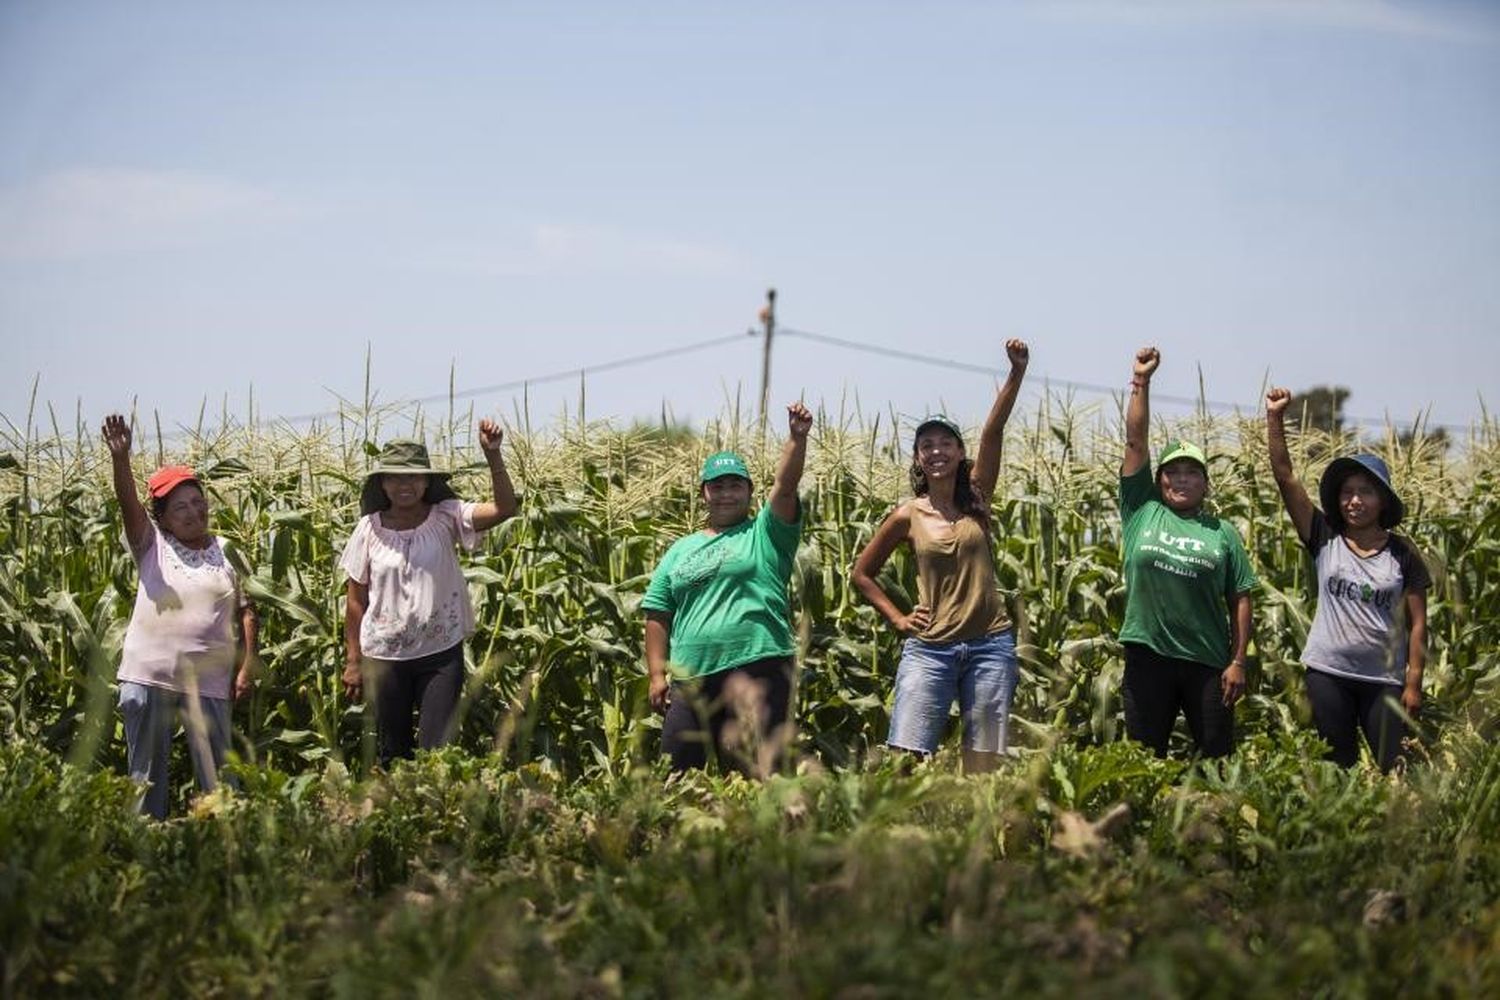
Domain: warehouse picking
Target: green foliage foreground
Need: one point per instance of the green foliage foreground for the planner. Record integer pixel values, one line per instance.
(547, 856)
(1268, 875)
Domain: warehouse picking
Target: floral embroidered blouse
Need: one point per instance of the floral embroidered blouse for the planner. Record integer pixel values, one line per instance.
(181, 632)
(419, 600)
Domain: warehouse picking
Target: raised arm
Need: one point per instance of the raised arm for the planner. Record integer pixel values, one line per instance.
(1138, 412)
(992, 436)
(117, 438)
(789, 467)
(487, 515)
(871, 560)
(1293, 496)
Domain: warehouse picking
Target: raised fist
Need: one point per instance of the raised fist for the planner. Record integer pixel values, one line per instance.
(1018, 353)
(799, 420)
(490, 435)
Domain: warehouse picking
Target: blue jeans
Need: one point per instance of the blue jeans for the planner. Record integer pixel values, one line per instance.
(980, 673)
(150, 717)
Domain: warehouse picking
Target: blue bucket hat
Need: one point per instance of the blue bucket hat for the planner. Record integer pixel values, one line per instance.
(1340, 469)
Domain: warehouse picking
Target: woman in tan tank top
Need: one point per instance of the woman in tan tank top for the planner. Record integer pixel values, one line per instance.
(960, 644)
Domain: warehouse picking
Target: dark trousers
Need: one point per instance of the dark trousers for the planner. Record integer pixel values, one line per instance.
(1158, 687)
(1342, 707)
(429, 686)
(737, 716)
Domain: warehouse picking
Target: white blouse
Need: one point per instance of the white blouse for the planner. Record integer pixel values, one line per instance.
(181, 632)
(419, 600)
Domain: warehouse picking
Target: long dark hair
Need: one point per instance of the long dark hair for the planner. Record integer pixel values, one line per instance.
(968, 499)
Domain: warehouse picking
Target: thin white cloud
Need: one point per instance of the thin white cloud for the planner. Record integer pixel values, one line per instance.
(1396, 17)
(91, 212)
(553, 249)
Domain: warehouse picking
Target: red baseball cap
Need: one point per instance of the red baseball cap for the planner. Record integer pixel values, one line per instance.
(168, 478)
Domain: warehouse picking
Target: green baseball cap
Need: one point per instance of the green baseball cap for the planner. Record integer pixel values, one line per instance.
(1182, 449)
(723, 463)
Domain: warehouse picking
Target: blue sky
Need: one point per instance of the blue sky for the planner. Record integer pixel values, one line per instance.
(200, 197)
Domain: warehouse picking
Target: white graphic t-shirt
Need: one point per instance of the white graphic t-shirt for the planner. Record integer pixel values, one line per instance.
(1360, 628)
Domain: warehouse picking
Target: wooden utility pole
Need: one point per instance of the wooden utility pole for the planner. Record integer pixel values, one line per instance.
(768, 322)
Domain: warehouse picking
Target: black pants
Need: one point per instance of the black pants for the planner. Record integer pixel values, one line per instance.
(1158, 687)
(429, 685)
(1342, 707)
(738, 715)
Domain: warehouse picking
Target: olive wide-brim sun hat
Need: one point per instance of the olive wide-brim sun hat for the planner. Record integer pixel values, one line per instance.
(404, 458)
(1340, 469)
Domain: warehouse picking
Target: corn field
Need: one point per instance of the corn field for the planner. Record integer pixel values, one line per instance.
(544, 854)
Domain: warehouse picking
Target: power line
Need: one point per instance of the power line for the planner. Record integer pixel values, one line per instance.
(964, 366)
(521, 383)
(822, 338)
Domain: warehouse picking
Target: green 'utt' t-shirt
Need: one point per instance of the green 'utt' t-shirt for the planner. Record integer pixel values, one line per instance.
(727, 596)
(1179, 575)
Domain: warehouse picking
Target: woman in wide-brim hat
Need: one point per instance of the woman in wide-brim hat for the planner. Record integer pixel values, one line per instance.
(959, 643)
(408, 611)
(719, 641)
(1368, 637)
(402, 458)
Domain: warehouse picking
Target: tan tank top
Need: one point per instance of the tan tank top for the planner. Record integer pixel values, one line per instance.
(955, 576)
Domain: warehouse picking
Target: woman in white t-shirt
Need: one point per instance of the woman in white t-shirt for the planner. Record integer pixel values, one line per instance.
(408, 610)
(180, 647)
(1366, 647)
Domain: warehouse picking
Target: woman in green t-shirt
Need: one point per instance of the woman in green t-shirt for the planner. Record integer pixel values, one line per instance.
(718, 622)
(1187, 590)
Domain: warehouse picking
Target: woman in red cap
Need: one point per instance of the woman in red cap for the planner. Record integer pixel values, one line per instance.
(1368, 638)
(180, 649)
(1187, 589)
(407, 611)
(960, 645)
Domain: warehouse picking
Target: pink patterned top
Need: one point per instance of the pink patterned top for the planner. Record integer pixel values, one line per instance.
(419, 600)
(181, 632)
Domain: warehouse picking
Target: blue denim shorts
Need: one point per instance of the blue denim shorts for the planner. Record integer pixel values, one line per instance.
(981, 674)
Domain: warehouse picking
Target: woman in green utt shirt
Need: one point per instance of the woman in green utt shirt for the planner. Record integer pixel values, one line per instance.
(1187, 590)
(718, 622)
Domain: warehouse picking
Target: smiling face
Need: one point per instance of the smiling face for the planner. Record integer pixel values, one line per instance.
(1183, 485)
(404, 491)
(728, 500)
(938, 453)
(184, 514)
(1360, 501)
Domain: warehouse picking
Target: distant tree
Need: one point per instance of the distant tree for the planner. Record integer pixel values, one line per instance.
(1322, 407)
(1437, 439)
